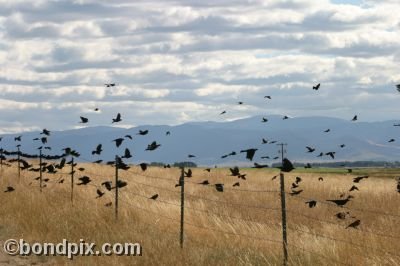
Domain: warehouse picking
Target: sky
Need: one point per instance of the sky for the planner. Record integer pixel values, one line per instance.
(175, 61)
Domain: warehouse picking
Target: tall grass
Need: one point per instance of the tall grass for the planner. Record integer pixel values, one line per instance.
(229, 228)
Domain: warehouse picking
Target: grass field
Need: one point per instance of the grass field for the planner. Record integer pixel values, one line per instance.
(240, 226)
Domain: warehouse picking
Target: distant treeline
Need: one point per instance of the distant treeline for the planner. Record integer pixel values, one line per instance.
(395, 164)
(176, 164)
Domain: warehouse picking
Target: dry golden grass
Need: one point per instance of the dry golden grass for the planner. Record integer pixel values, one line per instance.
(237, 232)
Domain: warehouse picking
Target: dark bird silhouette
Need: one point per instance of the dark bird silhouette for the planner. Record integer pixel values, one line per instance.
(391, 140)
(349, 170)
(9, 189)
(143, 166)
(121, 184)
(295, 185)
(143, 132)
(359, 178)
(237, 184)
(320, 155)
(219, 187)
(18, 138)
(61, 181)
(287, 166)
(264, 120)
(118, 142)
(249, 153)
(188, 173)
(207, 169)
(276, 158)
(84, 120)
(205, 182)
(154, 197)
(308, 165)
(45, 132)
(274, 177)
(152, 146)
(342, 146)
(107, 184)
(240, 103)
(223, 112)
(235, 171)
(108, 204)
(267, 97)
(354, 224)
(353, 188)
(285, 117)
(99, 193)
(295, 192)
(191, 156)
(98, 161)
(43, 140)
(84, 180)
(310, 149)
(316, 87)
(128, 137)
(341, 202)
(117, 119)
(327, 130)
(264, 157)
(311, 203)
(331, 153)
(109, 85)
(264, 141)
(127, 154)
(341, 215)
(98, 150)
(256, 165)
(167, 133)
(355, 118)
(320, 179)
(96, 109)
(398, 87)
(272, 142)
(298, 179)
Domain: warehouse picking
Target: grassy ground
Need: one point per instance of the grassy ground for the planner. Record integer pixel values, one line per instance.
(239, 226)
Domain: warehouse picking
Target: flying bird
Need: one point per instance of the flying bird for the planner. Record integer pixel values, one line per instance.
(310, 149)
(128, 137)
(331, 153)
(285, 117)
(191, 156)
(127, 154)
(311, 203)
(264, 120)
(109, 85)
(354, 118)
(98, 150)
(316, 87)
(45, 132)
(249, 153)
(391, 140)
(9, 189)
(353, 188)
(205, 182)
(237, 184)
(354, 224)
(118, 141)
(143, 166)
(341, 202)
(223, 112)
(359, 178)
(143, 132)
(295, 192)
(153, 146)
(84, 120)
(84, 180)
(264, 141)
(342, 146)
(398, 87)
(154, 197)
(235, 171)
(117, 119)
(18, 138)
(267, 97)
(327, 130)
(99, 193)
(219, 187)
(107, 184)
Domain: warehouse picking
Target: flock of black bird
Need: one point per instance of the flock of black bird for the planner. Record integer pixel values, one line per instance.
(286, 166)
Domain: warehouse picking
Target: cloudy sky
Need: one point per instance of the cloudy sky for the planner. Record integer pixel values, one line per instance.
(186, 60)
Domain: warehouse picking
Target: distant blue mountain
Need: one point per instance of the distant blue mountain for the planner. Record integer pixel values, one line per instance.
(208, 141)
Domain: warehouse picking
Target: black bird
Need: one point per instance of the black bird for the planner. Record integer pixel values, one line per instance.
(167, 133)
(359, 178)
(96, 109)
(84, 120)
(391, 140)
(117, 119)
(287, 166)
(152, 146)
(353, 188)
(308, 165)
(341, 202)
(264, 120)
(118, 141)
(264, 141)
(154, 197)
(320, 155)
(98, 150)
(341, 215)
(143, 166)
(235, 171)
(342, 146)
(84, 180)
(396, 125)
(128, 137)
(398, 87)
(256, 165)
(272, 142)
(98, 161)
(223, 112)
(298, 179)
(274, 177)
(18, 138)
(127, 154)
(285, 117)
(43, 140)
(276, 158)
(316, 87)
(295, 192)
(354, 224)
(311, 203)
(242, 176)
(249, 153)
(143, 132)
(320, 179)
(109, 85)
(207, 169)
(349, 170)
(240, 103)
(107, 184)
(191, 156)
(188, 173)
(354, 118)
(265, 157)
(121, 184)
(295, 185)
(45, 132)
(61, 181)
(310, 149)
(219, 187)
(331, 153)
(9, 189)
(327, 130)
(205, 182)
(268, 97)
(99, 193)
(237, 184)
